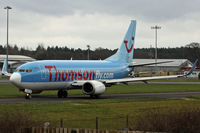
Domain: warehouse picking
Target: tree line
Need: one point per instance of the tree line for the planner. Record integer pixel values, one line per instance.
(190, 51)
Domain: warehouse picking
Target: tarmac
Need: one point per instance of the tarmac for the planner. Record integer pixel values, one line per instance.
(4, 82)
(170, 95)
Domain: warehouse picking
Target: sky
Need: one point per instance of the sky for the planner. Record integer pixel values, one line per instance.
(99, 23)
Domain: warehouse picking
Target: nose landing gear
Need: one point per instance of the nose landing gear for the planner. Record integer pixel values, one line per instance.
(28, 93)
(62, 93)
(28, 96)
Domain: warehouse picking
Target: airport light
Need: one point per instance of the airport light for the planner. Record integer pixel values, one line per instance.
(88, 46)
(7, 8)
(156, 28)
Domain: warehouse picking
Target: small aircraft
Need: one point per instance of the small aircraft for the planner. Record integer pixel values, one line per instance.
(92, 76)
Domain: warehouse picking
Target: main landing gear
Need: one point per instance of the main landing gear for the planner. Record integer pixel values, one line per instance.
(62, 93)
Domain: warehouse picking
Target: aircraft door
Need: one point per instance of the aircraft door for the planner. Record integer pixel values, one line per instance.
(43, 72)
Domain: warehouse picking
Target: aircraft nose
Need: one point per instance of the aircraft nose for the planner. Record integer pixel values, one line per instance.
(15, 79)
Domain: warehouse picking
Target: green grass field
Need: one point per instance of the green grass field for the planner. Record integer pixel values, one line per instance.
(111, 112)
(82, 114)
(4, 78)
(177, 80)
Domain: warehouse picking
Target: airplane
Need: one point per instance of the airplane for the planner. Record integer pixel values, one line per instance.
(92, 76)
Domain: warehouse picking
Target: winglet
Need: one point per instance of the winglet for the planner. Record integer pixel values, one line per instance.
(193, 67)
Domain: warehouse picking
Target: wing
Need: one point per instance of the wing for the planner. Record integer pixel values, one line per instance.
(125, 80)
(145, 64)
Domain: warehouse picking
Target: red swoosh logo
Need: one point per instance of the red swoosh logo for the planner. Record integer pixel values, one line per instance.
(127, 49)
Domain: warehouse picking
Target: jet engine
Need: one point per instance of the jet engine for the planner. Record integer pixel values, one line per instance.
(93, 88)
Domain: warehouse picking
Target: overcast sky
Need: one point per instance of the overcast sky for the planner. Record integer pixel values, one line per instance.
(99, 23)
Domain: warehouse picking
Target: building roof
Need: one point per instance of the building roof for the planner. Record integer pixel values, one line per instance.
(175, 62)
(16, 58)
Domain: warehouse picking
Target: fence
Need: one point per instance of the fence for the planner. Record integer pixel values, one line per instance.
(99, 125)
(118, 123)
(66, 130)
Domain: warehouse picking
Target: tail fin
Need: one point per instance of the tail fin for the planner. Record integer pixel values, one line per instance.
(125, 53)
(4, 69)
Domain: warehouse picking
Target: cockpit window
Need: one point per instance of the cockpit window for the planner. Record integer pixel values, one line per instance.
(21, 70)
(24, 70)
(28, 70)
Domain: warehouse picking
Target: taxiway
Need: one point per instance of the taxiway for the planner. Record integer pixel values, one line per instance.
(172, 95)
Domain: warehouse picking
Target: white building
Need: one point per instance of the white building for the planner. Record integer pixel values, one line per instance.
(173, 66)
(176, 66)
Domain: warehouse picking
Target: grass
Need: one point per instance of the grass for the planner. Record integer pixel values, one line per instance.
(4, 78)
(177, 80)
(111, 112)
(81, 114)
(194, 97)
(155, 88)
(7, 90)
(173, 120)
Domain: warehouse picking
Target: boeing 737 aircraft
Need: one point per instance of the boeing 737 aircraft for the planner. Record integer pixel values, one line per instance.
(91, 76)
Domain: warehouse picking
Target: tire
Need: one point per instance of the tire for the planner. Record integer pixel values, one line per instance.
(60, 93)
(26, 97)
(65, 94)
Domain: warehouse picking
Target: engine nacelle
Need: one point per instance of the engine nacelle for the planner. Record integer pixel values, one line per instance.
(93, 88)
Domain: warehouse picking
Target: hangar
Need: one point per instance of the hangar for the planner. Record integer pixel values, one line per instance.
(177, 66)
(14, 61)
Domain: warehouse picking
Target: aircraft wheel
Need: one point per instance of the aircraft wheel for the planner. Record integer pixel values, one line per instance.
(28, 96)
(60, 93)
(65, 94)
